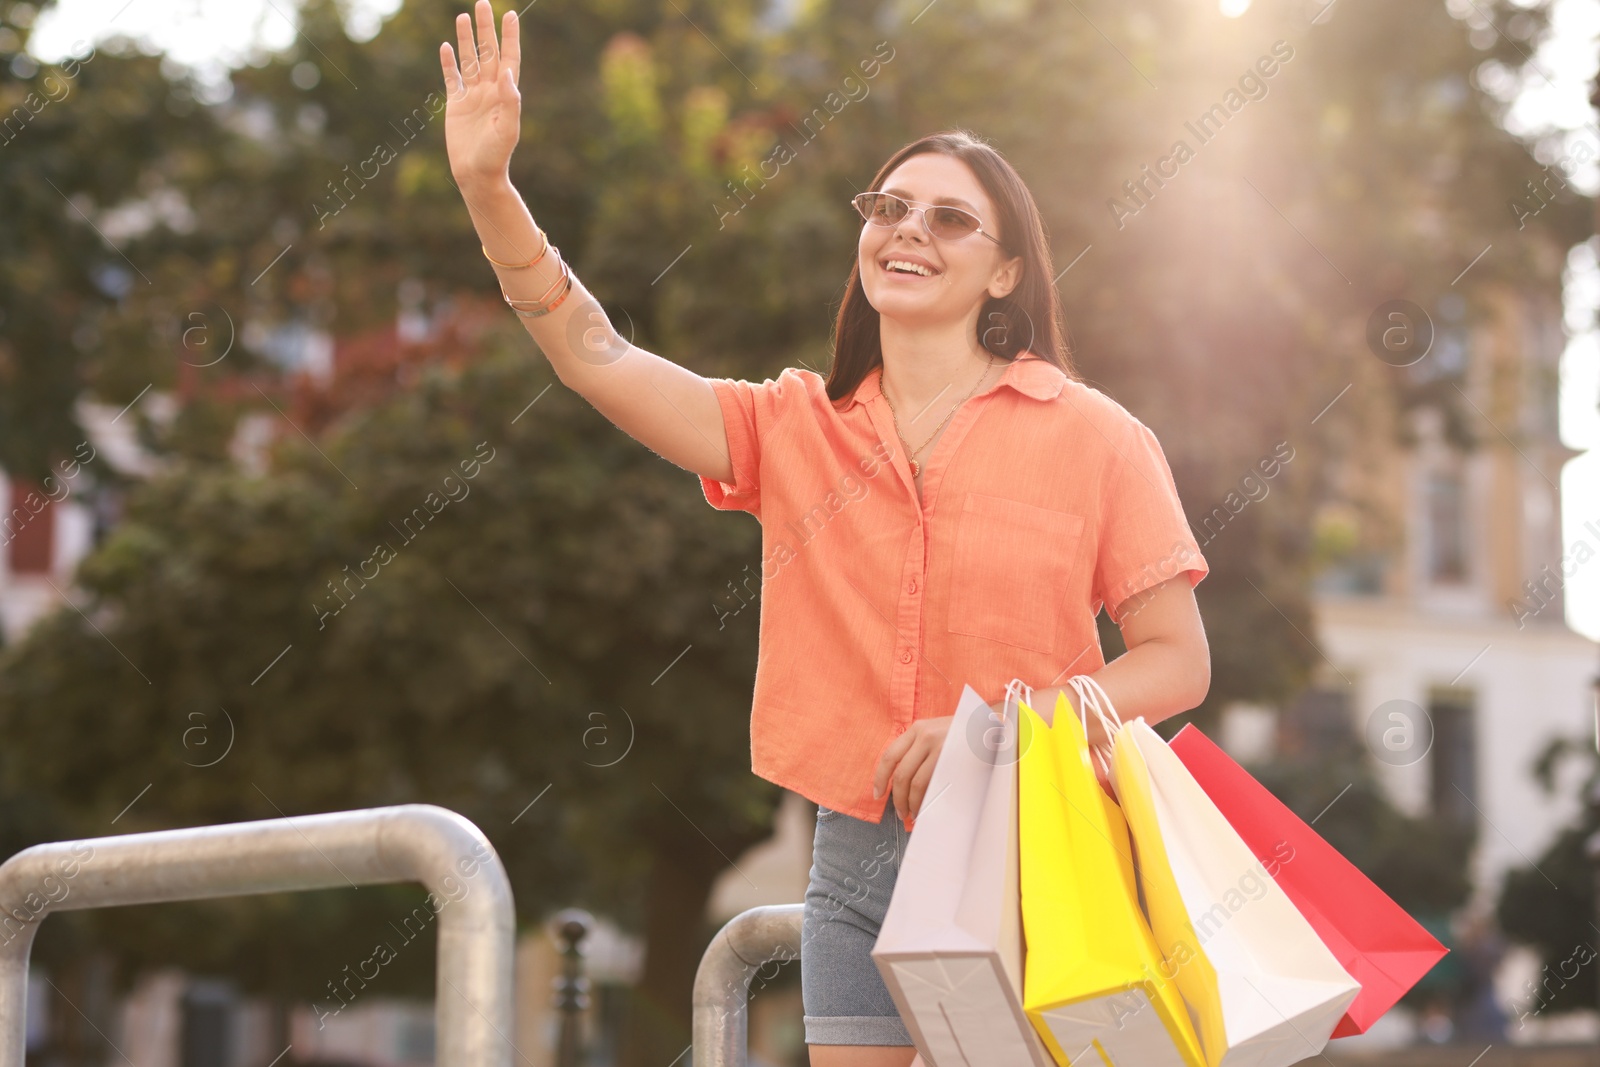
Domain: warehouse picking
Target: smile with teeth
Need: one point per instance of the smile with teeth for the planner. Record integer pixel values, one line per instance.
(906, 266)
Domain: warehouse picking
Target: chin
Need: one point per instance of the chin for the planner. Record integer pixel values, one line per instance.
(912, 316)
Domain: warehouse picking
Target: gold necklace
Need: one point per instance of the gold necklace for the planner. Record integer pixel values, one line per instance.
(916, 468)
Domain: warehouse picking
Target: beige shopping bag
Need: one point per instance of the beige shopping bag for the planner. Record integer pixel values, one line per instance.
(951, 947)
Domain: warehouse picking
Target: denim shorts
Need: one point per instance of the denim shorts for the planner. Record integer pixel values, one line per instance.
(853, 868)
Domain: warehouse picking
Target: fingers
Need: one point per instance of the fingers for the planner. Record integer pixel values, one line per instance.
(887, 761)
(919, 786)
(467, 49)
(511, 32)
(1094, 730)
(488, 47)
(1103, 775)
(909, 766)
(452, 77)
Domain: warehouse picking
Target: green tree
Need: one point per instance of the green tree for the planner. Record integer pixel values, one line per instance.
(550, 634)
(1550, 904)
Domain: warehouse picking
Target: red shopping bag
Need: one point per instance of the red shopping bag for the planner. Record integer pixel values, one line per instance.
(1381, 946)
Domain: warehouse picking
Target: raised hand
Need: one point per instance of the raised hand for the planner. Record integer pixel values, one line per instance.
(483, 108)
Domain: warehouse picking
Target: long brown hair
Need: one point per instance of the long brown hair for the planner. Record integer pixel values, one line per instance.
(1029, 318)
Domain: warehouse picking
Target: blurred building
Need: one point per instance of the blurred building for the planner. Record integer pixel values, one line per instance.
(1446, 647)
(48, 526)
(1439, 620)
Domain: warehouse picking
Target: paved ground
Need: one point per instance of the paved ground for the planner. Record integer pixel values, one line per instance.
(1466, 1056)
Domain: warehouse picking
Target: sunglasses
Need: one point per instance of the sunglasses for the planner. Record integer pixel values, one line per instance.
(942, 221)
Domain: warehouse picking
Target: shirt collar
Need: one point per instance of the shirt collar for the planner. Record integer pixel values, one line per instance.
(1033, 376)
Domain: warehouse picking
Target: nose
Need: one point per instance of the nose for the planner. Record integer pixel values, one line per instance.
(914, 227)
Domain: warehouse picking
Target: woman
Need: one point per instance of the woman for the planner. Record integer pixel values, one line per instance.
(950, 507)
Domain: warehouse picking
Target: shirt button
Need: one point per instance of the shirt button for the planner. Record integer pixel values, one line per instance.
(912, 587)
(905, 657)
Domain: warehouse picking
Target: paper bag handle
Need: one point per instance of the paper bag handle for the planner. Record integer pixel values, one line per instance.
(1093, 697)
(1016, 690)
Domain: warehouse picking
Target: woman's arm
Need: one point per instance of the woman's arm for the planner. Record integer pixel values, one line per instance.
(668, 408)
(1167, 668)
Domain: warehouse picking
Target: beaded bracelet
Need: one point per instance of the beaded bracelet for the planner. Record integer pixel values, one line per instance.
(518, 266)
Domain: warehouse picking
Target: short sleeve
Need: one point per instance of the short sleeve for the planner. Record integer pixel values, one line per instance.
(749, 409)
(1144, 537)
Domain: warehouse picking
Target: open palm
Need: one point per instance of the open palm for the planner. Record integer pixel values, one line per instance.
(483, 107)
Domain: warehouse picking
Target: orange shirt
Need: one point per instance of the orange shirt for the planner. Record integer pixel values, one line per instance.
(1043, 500)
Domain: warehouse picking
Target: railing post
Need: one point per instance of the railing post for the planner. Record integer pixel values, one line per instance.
(721, 985)
(571, 926)
(450, 856)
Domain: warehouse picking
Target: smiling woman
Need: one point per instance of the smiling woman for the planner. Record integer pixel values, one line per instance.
(1019, 501)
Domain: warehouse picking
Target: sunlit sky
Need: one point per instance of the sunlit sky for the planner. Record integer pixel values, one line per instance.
(1550, 110)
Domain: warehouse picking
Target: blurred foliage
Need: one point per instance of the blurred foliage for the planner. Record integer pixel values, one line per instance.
(426, 656)
(1422, 863)
(1550, 904)
(149, 219)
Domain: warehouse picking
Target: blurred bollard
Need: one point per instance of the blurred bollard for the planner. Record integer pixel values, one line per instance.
(373, 846)
(1591, 848)
(570, 926)
(1594, 683)
(1591, 845)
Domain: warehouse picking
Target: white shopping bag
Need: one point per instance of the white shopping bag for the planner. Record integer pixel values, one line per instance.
(950, 948)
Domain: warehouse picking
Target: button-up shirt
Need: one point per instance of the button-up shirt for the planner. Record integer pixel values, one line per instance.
(1043, 500)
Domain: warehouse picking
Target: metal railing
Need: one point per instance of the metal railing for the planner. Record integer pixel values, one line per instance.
(422, 843)
(748, 941)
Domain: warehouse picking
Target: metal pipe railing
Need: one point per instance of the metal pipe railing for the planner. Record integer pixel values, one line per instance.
(748, 941)
(451, 857)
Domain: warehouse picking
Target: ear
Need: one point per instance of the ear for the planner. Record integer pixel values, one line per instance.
(1006, 277)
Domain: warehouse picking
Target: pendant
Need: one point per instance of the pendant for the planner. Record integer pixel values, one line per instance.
(916, 468)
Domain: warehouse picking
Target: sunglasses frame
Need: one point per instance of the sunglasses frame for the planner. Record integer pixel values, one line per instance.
(918, 206)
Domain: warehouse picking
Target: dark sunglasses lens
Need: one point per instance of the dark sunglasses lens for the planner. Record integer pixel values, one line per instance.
(949, 222)
(882, 208)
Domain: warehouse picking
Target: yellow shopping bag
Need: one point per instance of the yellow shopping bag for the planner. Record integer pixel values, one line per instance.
(1094, 983)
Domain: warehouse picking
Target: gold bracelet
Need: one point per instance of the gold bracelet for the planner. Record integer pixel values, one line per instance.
(518, 266)
(561, 276)
(546, 310)
(544, 305)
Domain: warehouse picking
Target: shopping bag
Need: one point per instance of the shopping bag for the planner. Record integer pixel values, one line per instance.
(1262, 987)
(950, 946)
(1094, 982)
(1382, 947)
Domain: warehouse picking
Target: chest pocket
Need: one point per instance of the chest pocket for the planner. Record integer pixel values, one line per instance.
(1010, 570)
